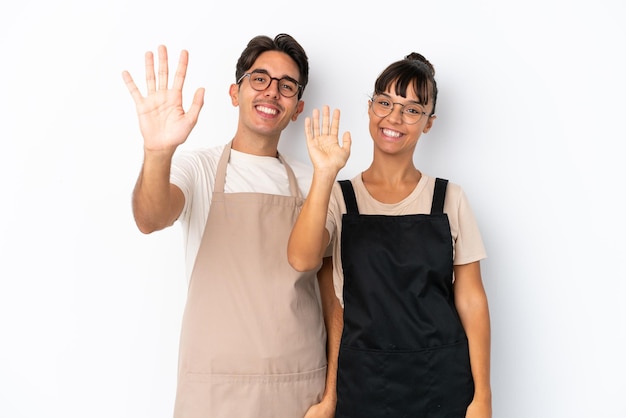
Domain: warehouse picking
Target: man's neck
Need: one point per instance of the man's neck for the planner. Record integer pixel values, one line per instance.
(261, 147)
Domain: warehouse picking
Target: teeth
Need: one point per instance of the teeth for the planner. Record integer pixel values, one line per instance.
(267, 110)
(389, 132)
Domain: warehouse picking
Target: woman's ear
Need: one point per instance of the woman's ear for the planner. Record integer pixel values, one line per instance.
(429, 124)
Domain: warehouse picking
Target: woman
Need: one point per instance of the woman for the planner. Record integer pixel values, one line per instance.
(406, 255)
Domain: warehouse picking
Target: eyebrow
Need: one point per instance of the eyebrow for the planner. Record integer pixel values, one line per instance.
(408, 102)
(264, 71)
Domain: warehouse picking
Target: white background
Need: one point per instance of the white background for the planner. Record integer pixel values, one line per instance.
(530, 123)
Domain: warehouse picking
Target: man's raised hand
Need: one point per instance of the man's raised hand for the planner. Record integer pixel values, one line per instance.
(163, 122)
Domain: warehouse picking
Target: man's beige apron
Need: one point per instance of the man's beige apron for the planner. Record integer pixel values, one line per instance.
(253, 339)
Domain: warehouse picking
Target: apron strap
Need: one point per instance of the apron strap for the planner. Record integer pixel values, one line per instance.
(349, 197)
(220, 172)
(293, 183)
(439, 196)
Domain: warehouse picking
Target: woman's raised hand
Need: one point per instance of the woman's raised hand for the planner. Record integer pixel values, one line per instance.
(325, 151)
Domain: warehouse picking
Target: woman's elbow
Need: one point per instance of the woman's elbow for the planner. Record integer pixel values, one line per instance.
(302, 264)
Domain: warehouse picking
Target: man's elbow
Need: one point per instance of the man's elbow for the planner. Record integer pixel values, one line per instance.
(147, 226)
(144, 229)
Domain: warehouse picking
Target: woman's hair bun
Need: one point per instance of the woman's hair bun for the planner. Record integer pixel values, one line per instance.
(414, 56)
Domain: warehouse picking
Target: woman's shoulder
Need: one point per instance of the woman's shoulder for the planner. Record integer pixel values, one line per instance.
(453, 189)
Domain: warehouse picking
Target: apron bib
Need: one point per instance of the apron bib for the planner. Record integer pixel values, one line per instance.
(403, 349)
(253, 341)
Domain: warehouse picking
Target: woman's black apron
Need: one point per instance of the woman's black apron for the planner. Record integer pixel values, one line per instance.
(403, 352)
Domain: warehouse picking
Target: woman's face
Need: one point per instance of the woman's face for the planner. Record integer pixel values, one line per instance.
(396, 122)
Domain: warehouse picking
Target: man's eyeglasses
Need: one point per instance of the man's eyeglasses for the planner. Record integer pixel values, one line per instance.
(287, 86)
(382, 106)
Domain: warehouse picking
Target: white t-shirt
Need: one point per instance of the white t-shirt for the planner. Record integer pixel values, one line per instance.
(466, 239)
(194, 173)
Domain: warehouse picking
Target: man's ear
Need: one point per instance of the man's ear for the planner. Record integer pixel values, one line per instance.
(233, 92)
(299, 110)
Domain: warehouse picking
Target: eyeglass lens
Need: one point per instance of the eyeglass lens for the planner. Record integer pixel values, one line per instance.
(286, 86)
(383, 106)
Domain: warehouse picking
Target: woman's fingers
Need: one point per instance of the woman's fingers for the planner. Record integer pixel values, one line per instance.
(316, 123)
(314, 129)
(334, 127)
(325, 120)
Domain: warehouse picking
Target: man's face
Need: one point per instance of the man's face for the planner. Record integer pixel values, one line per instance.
(267, 112)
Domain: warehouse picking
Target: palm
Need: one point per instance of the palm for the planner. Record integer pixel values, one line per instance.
(163, 122)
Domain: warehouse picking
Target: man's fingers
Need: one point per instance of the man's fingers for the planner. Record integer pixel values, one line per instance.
(163, 70)
(131, 86)
(150, 77)
(181, 71)
(196, 104)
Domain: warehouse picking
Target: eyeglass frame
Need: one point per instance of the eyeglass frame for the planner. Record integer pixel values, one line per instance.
(300, 87)
(422, 113)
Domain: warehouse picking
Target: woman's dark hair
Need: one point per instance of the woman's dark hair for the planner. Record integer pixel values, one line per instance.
(414, 70)
(283, 43)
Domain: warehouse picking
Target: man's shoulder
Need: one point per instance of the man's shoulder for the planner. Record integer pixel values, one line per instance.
(200, 155)
(203, 151)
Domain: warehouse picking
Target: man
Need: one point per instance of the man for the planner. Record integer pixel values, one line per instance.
(253, 340)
